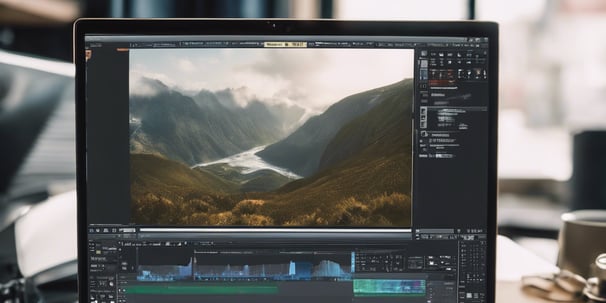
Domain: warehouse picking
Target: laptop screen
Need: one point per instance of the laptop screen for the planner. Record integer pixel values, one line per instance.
(264, 168)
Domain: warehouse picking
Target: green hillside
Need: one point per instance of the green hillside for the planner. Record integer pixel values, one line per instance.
(165, 191)
(302, 150)
(387, 125)
(373, 193)
(367, 172)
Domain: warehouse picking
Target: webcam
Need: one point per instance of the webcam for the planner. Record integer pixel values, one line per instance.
(281, 27)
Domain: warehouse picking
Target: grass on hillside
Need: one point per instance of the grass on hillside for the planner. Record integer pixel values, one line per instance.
(172, 194)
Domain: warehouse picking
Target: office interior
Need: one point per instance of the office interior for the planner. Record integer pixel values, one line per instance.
(552, 130)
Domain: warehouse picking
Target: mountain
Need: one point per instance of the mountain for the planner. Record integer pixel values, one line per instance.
(292, 116)
(365, 175)
(302, 151)
(227, 98)
(288, 115)
(201, 128)
(387, 125)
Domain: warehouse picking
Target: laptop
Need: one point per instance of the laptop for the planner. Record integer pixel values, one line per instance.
(286, 160)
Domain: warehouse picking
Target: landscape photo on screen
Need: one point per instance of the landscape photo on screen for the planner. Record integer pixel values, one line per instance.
(271, 137)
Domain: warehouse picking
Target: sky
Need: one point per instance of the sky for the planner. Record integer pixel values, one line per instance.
(310, 78)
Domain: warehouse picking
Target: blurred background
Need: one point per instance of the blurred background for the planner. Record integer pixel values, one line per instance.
(552, 104)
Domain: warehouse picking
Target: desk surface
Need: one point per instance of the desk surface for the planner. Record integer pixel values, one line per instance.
(513, 262)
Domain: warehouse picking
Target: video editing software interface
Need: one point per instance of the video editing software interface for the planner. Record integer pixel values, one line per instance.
(286, 168)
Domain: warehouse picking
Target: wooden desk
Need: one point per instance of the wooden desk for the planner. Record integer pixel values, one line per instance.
(513, 262)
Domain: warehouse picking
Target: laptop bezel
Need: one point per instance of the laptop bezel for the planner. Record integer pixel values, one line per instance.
(83, 27)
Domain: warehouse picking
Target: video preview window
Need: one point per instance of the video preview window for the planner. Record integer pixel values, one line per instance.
(271, 137)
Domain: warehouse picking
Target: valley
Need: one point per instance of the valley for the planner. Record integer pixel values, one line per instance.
(201, 161)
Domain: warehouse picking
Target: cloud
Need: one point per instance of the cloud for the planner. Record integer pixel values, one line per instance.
(318, 78)
(138, 86)
(313, 79)
(186, 65)
(288, 63)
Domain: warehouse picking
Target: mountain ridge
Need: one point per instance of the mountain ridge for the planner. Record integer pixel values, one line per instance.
(302, 150)
(199, 129)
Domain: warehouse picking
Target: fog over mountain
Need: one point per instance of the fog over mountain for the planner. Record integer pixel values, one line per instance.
(312, 79)
(203, 127)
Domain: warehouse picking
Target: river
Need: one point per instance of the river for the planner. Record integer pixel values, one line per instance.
(249, 162)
